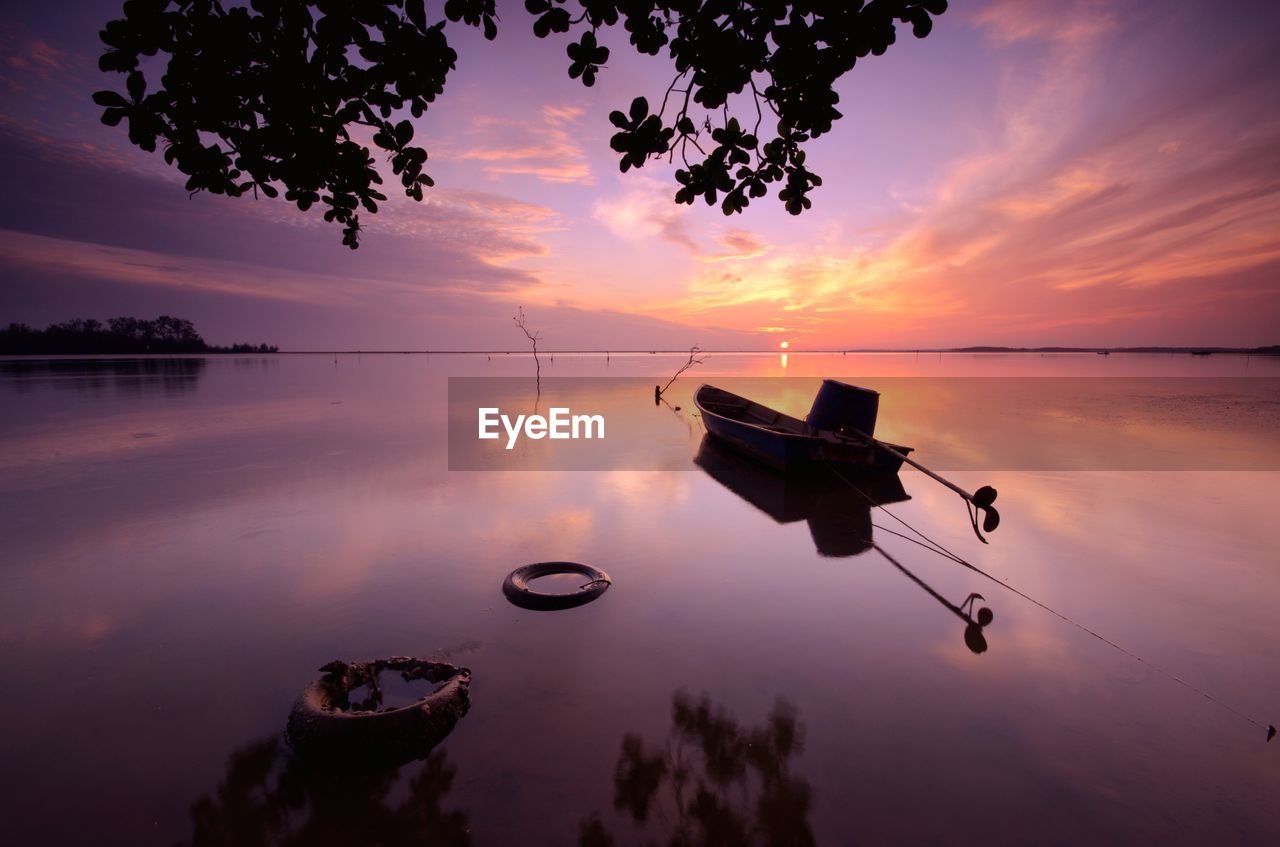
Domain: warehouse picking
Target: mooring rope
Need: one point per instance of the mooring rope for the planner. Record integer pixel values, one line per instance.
(929, 544)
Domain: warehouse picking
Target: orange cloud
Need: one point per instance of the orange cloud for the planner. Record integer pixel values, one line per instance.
(737, 244)
(1063, 220)
(1116, 219)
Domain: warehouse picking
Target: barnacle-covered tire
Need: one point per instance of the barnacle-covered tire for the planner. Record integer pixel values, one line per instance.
(516, 585)
(319, 729)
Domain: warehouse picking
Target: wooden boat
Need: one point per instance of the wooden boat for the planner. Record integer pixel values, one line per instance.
(785, 443)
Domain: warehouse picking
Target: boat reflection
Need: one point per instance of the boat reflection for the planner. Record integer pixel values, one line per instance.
(975, 623)
(270, 797)
(838, 511)
(712, 781)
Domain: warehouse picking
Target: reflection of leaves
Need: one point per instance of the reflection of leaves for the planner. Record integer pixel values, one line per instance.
(269, 797)
(638, 777)
(591, 833)
(700, 785)
(718, 734)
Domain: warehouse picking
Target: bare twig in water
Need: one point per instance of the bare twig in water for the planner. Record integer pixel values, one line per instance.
(533, 337)
(676, 410)
(693, 360)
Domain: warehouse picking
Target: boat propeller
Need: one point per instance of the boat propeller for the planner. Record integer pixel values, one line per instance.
(981, 500)
(978, 501)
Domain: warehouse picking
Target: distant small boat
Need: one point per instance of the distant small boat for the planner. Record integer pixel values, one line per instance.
(789, 444)
(1201, 352)
(1104, 352)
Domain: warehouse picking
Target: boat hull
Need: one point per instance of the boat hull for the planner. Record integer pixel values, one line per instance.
(786, 444)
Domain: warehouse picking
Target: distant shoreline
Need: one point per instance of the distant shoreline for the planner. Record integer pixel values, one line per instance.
(1272, 350)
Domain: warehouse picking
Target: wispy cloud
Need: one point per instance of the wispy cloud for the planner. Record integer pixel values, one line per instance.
(37, 55)
(736, 244)
(560, 115)
(63, 257)
(36, 69)
(454, 239)
(645, 210)
(1010, 21)
(497, 227)
(543, 147)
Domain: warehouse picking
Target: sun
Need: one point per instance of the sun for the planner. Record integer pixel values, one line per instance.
(785, 344)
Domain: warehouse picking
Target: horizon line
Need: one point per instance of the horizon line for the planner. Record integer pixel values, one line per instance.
(1267, 350)
(1263, 350)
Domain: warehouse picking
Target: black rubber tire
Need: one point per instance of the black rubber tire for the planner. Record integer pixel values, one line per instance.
(516, 586)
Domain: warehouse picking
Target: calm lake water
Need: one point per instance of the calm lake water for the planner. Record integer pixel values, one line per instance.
(184, 542)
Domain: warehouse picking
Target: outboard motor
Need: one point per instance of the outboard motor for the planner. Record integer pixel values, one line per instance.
(839, 404)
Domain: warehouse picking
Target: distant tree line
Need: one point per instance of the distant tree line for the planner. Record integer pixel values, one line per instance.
(118, 335)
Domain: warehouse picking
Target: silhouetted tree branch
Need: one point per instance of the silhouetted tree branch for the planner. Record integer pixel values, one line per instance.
(693, 360)
(265, 98)
(533, 337)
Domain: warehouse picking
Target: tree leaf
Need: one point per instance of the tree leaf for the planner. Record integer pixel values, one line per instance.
(109, 98)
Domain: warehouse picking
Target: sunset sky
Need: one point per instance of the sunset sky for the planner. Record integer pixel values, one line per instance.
(1032, 173)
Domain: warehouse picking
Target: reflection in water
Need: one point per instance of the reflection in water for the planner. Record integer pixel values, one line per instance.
(838, 510)
(270, 797)
(136, 376)
(713, 781)
(839, 516)
(974, 638)
(265, 524)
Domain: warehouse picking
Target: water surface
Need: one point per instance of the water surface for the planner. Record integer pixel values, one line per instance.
(184, 542)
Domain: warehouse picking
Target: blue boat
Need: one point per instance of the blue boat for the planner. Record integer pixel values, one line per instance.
(834, 433)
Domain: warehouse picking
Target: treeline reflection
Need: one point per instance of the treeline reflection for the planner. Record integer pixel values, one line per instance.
(712, 781)
(92, 377)
(270, 797)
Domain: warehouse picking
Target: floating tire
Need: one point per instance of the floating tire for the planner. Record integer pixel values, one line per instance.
(516, 585)
(321, 727)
